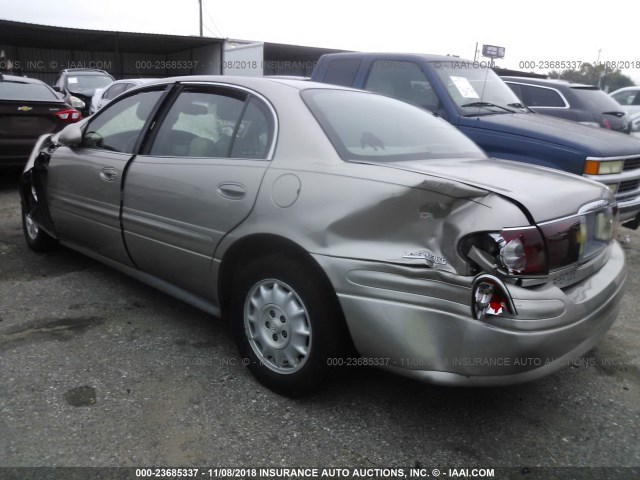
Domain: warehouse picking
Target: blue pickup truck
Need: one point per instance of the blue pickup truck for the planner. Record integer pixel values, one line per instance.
(472, 97)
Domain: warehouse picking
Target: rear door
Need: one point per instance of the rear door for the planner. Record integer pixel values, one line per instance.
(84, 182)
(198, 179)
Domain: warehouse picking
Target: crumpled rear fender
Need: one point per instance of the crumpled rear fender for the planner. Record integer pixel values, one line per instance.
(355, 212)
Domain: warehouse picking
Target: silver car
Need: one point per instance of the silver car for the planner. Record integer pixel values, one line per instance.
(104, 95)
(629, 98)
(318, 219)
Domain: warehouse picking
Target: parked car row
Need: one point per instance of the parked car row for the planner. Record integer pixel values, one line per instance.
(584, 104)
(320, 219)
(78, 85)
(30, 108)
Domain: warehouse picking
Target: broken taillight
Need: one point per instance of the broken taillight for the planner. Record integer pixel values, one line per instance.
(489, 297)
(522, 251)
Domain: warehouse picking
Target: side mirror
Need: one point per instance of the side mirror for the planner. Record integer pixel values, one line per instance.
(70, 136)
(57, 88)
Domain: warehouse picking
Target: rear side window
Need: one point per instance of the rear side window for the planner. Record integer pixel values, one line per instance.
(626, 98)
(364, 126)
(26, 91)
(116, 128)
(215, 125)
(541, 97)
(596, 100)
(342, 71)
(402, 80)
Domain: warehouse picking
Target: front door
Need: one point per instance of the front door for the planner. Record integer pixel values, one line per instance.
(84, 182)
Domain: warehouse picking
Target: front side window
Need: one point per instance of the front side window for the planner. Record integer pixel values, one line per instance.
(208, 124)
(367, 127)
(116, 128)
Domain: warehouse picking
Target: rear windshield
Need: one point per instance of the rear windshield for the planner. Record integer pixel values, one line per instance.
(364, 126)
(596, 99)
(26, 91)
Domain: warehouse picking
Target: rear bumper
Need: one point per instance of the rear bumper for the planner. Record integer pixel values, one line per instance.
(420, 324)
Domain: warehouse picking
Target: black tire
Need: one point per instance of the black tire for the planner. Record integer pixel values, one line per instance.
(266, 299)
(37, 239)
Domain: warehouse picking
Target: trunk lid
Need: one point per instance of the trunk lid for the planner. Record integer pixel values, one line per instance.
(545, 193)
(28, 119)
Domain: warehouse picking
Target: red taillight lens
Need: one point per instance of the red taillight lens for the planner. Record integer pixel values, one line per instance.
(69, 116)
(522, 251)
(565, 241)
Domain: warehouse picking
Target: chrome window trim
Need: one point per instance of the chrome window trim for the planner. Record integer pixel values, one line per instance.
(564, 99)
(262, 98)
(528, 227)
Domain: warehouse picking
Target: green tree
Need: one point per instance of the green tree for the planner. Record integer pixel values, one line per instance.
(596, 75)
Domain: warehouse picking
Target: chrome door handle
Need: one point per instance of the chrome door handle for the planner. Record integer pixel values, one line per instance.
(108, 174)
(232, 190)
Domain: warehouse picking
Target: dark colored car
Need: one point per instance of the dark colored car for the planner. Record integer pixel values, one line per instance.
(28, 108)
(78, 85)
(585, 104)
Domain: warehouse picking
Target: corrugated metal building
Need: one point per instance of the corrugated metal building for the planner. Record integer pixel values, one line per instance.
(42, 51)
(242, 57)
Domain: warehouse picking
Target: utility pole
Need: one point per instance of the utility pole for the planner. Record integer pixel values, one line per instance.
(200, 4)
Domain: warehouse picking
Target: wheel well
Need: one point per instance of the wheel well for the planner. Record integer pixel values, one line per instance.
(255, 246)
(260, 245)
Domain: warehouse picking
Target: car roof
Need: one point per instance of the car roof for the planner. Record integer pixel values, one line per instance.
(247, 82)
(555, 82)
(626, 89)
(18, 79)
(136, 80)
(397, 56)
(89, 71)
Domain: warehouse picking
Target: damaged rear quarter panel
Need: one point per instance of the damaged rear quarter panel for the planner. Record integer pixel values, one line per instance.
(378, 214)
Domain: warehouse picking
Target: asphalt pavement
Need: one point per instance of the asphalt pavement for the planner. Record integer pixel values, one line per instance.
(97, 369)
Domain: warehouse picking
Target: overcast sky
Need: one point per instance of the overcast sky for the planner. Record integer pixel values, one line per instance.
(538, 31)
